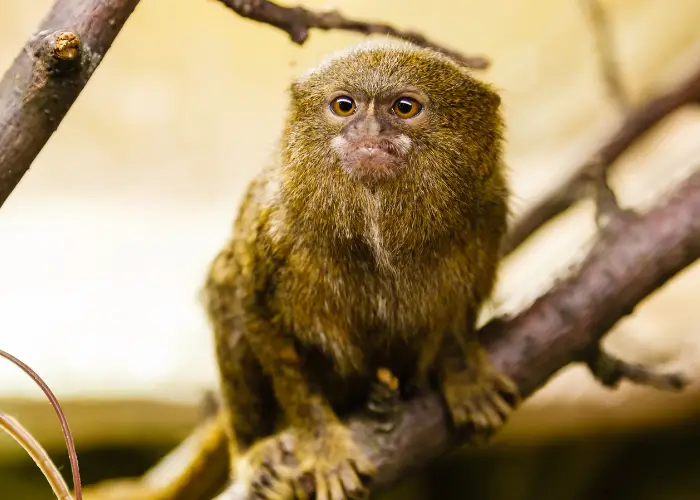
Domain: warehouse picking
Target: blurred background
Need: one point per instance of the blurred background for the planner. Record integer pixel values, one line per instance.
(106, 240)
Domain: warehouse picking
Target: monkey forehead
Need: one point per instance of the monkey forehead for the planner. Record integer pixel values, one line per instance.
(376, 66)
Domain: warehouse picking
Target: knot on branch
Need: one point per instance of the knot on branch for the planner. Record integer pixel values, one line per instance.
(67, 47)
(56, 55)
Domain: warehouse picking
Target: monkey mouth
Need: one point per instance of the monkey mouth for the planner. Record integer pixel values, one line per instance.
(371, 159)
(375, 147)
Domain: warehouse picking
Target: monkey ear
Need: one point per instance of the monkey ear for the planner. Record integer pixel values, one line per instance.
(484, 92)
(495, 99)
(295, 90)
(491, 97)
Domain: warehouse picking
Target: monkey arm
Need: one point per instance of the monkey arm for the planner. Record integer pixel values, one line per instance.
(273, 347)
(280, 360)
(316, 443)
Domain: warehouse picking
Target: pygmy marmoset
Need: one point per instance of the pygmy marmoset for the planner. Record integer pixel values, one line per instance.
(372, 242)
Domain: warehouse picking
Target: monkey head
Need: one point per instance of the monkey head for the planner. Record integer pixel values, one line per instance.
(406, 124)
(374, 104)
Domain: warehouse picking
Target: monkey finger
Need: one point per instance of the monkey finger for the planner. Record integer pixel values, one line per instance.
(508, 387)
(321, 487)
(492, 416)
(282, 490)
(269, 470)
(271, 478)
(262, 481)
(304, 488)
(287, 446)
(277, 490)
(271, 482)
(259, 493)
(351, 482)
(267, 493)
(475, 416)
(335, 488)
(364, 465)
(499, 404)
(459, 414)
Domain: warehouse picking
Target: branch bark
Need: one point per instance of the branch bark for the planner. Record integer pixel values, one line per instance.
(297, 21)
(582, 182)
(48, 75)
(560, 327)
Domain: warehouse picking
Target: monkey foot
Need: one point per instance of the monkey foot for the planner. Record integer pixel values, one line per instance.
(297, 465)
(479, 398)
(266, 465)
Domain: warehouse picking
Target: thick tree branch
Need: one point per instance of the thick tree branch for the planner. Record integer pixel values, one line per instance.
(47, 76)
(578, 186)
(297, 21)
(560, 327)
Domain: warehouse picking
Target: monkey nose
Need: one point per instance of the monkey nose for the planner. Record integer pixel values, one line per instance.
(369, 127)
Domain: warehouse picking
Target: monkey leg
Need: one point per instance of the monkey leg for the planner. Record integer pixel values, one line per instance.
(251, 416)
(477, 395)
(276, 457)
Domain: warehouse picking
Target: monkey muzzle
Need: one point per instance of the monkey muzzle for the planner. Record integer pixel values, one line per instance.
(370, 158)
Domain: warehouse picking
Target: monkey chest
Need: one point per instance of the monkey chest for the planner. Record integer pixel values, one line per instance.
(360, 316)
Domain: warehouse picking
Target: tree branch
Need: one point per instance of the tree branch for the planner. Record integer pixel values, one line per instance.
(578, 186)
(297, 21)
(560, 327)
(48, 75)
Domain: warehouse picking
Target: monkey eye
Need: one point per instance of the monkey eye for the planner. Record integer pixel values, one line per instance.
(343, 106)
(406, 107)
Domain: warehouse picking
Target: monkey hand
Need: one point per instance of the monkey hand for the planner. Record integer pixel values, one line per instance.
(477, 395)
(322, 463)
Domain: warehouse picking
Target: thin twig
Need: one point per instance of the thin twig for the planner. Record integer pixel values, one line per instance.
(608, 213)
(38, 454)
(297, 21)
(610, 371)
(605, 48)
(637, 123)
(607, 207)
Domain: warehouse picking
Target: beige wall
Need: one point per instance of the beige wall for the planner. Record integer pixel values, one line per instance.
(105, 242)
